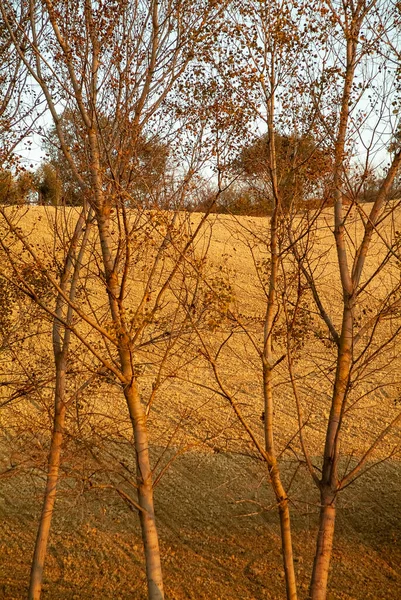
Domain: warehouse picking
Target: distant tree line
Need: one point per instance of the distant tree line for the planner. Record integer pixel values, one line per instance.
(304, 166)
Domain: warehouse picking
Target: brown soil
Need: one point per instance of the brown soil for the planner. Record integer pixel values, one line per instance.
(219, 533)
(218, 523)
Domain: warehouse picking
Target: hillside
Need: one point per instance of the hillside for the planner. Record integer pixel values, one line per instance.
(216, 512)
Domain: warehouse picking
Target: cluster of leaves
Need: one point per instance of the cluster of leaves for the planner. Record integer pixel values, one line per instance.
(137, 165)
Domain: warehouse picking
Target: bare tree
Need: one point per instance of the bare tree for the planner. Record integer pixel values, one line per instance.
(24, 278)
(329, 96)
(357, 231)
(61, 346)
(159, 336)
(120, 63)
(265, 68)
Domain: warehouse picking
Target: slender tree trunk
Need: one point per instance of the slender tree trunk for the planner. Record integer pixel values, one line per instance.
(145, 494)
(329, 481)
(42, 537)
(268, 361)
(138, 419)
(286, 537)
(61, 346)
(280, 493)
(324, 547)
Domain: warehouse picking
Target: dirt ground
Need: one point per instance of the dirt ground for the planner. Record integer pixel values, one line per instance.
(219, 537)
(218, 524)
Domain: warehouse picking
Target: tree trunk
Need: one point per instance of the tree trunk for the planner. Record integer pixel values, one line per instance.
(324, 547)
(329, 481)
(286, 538)
(137, 415)
(42, 537)
(279, 491)
(268, 361)
(145, 494)
(61, 346)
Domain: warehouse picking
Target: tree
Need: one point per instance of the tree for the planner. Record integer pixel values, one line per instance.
(120, 61)
(145, 160)
(264, 44)
(352, 24)
(27, 278)
(303, 166)
(337, 42)
(16, 189)
(48, 185)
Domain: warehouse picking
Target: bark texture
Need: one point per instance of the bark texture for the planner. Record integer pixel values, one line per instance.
(136, 412)
(42, 538)
(324, 547)
(145, 494)
(61, 347)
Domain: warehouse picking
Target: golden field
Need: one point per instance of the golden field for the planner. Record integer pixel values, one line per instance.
(216, 513)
